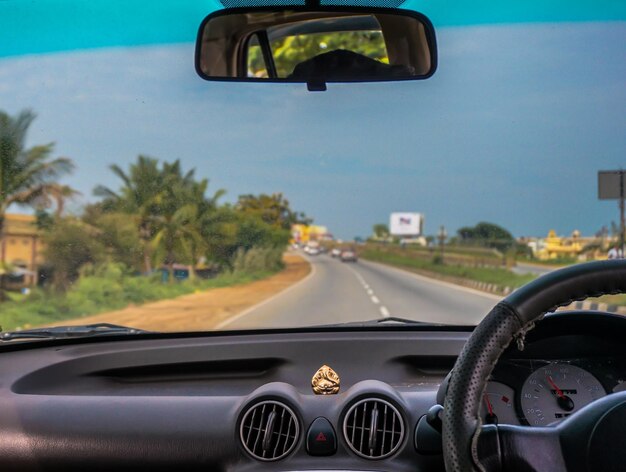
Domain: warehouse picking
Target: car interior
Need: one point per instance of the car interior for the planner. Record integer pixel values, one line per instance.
(532, 387)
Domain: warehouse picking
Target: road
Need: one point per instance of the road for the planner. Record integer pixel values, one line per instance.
(535, 269)
(336, 292)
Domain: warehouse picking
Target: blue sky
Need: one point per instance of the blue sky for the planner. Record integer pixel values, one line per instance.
(511, 129)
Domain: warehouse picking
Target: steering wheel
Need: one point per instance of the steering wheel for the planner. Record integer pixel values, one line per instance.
(592, 439)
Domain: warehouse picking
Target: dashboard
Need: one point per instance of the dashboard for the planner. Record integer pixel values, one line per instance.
(245, 401)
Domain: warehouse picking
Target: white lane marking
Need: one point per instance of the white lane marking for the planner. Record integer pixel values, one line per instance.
(370, 292)
(437, 282)
(247, 311)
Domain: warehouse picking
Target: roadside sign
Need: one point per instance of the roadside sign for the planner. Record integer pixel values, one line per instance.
(406, 224)
(610, 185)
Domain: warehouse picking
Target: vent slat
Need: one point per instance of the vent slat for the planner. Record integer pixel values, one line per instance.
(384, 427)
(272, 444)
(373, 428)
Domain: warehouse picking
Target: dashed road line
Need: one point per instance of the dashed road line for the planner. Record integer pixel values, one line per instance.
(375, 300)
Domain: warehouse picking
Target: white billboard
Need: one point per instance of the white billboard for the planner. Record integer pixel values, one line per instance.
(406, 224)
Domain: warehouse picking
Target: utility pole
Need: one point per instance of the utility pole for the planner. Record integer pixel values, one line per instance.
(442, 239)
(622, 227)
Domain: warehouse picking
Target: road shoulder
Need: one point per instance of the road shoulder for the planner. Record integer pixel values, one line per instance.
(204, 310)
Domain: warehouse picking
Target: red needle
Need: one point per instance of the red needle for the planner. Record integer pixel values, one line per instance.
(489, 407)
(557, 389)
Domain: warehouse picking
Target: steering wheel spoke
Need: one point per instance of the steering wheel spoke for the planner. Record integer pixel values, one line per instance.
(518, 448)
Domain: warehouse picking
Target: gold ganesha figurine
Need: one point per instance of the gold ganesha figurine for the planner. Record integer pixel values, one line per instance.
(325, 381)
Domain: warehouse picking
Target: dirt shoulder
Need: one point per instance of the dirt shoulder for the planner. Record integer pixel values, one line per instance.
(203, 310)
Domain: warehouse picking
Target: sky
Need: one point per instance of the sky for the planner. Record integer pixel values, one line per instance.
(511, 129)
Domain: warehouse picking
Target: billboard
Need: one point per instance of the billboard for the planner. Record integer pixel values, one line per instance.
(406, 224)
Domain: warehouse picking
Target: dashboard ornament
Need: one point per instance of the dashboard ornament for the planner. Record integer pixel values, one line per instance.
(325, 381)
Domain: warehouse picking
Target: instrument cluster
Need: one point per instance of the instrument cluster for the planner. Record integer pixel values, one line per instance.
(544, 392)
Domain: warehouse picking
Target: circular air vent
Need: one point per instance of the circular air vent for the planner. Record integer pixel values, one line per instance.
(269, 430)
(373, 428)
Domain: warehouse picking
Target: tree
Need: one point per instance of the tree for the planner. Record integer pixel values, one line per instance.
(70, 244)
(57, 195)
(118, 234)
(272, 209)
(140, 196)
(381, 231)
(169, 207)
(27, 176)
(487, 234)
(289, 51)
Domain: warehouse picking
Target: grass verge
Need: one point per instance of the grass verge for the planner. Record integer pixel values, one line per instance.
(497, 276)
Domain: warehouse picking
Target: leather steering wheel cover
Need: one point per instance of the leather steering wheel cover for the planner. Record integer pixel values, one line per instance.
(508, 319)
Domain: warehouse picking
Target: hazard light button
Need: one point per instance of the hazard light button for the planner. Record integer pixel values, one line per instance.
(321, 439)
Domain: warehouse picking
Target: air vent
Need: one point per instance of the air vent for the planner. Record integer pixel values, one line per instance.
(373, 428)
(269, 431)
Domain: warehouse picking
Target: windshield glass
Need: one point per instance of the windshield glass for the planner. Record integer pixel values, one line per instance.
(134, 192)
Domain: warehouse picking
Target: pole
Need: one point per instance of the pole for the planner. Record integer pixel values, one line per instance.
(621, 210)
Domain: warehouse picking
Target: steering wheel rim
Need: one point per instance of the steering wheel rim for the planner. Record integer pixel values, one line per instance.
(510, 319)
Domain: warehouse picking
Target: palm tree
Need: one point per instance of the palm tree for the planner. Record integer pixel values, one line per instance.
(178, 237)
(184, 212)
(57, 195)
(27, 176)
(168, 206)
(141, 194)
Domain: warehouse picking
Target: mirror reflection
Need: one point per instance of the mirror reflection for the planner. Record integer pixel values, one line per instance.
(303, 46)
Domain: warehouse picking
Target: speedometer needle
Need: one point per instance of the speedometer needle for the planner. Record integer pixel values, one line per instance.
(491, 416)
(563, 400)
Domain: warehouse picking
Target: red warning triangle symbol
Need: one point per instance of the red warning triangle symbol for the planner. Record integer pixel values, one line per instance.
(321, 437)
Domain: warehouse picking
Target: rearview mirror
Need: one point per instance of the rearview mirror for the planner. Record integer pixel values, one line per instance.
(315, 45)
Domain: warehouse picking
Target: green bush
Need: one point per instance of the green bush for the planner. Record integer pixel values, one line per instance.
(257, 259)
(113, 286)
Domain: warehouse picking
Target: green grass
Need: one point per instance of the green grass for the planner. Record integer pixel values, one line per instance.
(498, 276)
(111, 288)
(619, 300)
(562, 261)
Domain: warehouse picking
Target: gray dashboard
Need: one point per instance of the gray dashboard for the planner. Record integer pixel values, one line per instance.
(178, 400)
(163, 403)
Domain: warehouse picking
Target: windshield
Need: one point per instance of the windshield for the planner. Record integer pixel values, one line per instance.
(133, 192)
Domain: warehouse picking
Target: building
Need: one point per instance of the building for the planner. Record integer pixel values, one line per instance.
(20, 250)
(303, 234)
(556, 247)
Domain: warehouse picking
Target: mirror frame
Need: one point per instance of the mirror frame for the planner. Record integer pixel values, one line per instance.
(428, 27)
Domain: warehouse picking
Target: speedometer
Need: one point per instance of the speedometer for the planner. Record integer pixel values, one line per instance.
(555, 391)
(497, 406)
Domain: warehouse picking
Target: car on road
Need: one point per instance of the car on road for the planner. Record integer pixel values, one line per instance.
(335, 252)
(348, 255)
(314, 251)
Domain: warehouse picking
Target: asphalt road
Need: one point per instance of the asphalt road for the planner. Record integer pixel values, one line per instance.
(522, 268)
(337, 292)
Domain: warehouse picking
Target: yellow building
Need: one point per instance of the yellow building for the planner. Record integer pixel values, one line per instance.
(555, 247)
(20, 249)
(304, 233)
